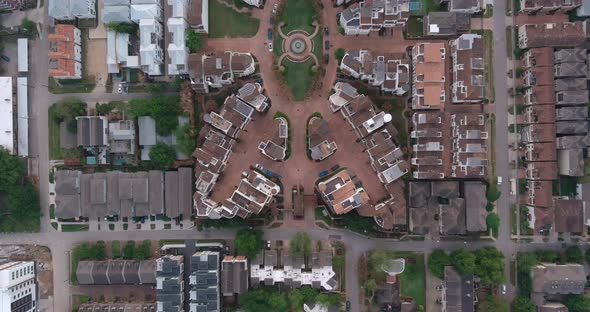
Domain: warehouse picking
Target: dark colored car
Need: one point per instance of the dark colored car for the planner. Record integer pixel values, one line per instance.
(5, 58)
(327, 58)
(272, 21)
(347, 305)
(269, 34)
(323, 173)
(335, 167)
(327, 44)
(326, 31)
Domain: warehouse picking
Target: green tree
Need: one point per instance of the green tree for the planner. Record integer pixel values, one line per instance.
(338, 262)
(263, 300)
(493, 304)
(12, 168)
(489, 265)
(66, 111)
(300, 244)
(163, 109)
(162, 155)
(493, 221)
(493, 193)
(375, 260)
(23, 202)
(463, 260)
(194, 41)
(143, 251)
(328, 299)
(577, 303)
(523, 304)
(186, 139)
(129, 250)
(587, 254)
(339, 54)
(249, 242)
(370, 287)
(437, 261)
(98, 251)
(574, 254)
(116, 249)
(547, 255)
(28, 27)
(126, 28)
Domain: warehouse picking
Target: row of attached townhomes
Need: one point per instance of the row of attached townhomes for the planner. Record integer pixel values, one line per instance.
(215, 144)
(553, 119)
(449, 130)
(148, 54)
(364, 17)
(344, 191)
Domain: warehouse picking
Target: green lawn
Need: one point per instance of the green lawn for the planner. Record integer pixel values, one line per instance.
(277, 43)
(298, 14)
(415, 27)
(298, 77)
(318, 46)
(74, 227)
(226, 22)
(55, 152)
(412, 279)
(509, 48)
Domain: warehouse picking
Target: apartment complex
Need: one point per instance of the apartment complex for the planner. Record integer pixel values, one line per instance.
(538, 7)
(553, 35)
(204, 282)
(18, 286)
(170, 283)
(363, 17)
(65, 52)
(389, 72)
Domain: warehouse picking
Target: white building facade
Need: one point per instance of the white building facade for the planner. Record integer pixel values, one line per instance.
(18, 287)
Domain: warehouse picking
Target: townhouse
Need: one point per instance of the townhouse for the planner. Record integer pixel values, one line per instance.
(467, 55)
(429, 60)
(216, 70)
(538, 7)
(366, 16)
(65, 52)
(390, 72)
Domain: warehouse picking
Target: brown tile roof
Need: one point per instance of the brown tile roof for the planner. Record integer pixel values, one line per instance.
(541, 152)
(471, 75)
(541, 170)
(540, 193)
(538, 114)
(538, 133)
(538, 57)
(62, 51)
(539, 76)
(429, 74)
(569, 216)
(560, 34)
(540, 95)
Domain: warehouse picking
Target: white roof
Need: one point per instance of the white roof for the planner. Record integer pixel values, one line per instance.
(23, 55)
(144, 11)
(116, 13)
(6, 125)
(177, 50)
(117, 50)
(179, 8)
(23, 116)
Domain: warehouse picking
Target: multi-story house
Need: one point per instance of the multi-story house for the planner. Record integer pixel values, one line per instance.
(538, 7)
(389, 72)
(69, 10)
(468, 68)
(366, 16)
(177, 49)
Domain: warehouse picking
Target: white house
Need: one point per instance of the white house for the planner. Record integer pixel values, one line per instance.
(67, 10)
(177, 50)
(151, 54)
(18, 288)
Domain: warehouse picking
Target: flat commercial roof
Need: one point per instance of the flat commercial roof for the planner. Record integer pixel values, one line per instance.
(23, 55)
(22, 97)
(6, 125)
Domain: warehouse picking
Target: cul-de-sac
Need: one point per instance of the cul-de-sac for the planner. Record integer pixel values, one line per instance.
(294, 155)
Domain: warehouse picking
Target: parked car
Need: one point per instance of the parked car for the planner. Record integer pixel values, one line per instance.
(327, 58)
(499, 180)
(271, 21)
(269, 34)
(323, 173)
(5, 58)
(274, 8)
(270, 47)
(326, 31)
(327, 44)
(259, 167)
(334, 168)
(503, 289)
(347, 305)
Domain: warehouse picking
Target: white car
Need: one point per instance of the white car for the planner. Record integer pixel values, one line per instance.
(499, 180)
(503, 289)
(270, 47)
(274, 8)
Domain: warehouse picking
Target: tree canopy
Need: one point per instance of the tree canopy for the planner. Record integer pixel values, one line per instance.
(493, 221)
(464, 261)
(574, 254)
(66, 111)
(269, 299)
(437, 261)
(163, 109)
(523, 304)
(194, 41)
(493, 304)
(577, 303)
(249, 242)
(162, 155)
(21, 197)
(300, 244)
(186, 139)
(127, 28)
(489, 265)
